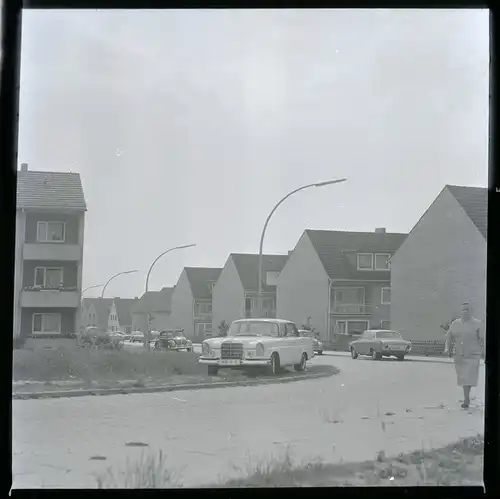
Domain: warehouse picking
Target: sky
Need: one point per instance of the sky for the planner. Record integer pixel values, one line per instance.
(187, 126)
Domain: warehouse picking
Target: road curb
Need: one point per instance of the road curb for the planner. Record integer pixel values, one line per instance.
(169, 388)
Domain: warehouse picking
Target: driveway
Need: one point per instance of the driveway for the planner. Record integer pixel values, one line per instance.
(370, 406)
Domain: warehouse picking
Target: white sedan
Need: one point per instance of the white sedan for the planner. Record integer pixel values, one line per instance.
(271, 343)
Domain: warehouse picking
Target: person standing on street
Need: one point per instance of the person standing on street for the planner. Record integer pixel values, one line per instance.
(466, 333)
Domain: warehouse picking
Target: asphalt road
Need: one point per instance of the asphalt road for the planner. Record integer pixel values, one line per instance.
(210, 434)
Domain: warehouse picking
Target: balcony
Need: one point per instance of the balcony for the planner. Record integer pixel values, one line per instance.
(52, 251)
(203, 316)
(352, 309)
(50, 298)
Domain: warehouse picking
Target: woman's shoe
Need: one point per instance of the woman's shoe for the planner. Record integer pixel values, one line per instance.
(465, 406)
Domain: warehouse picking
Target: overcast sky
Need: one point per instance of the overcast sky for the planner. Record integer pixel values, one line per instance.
(188, 126)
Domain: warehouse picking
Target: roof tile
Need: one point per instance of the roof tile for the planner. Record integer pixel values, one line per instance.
(200, 278)
(51, 190)
(474, 201)
(247, 265)
(333, 248)
(154, 301)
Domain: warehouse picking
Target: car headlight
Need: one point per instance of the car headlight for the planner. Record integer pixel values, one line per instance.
(205, 348)
(408, 348)
(259, 350)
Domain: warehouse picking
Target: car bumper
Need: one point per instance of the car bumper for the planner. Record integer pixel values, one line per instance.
(233, 363)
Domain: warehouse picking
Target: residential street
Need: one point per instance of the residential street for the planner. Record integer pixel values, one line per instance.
(370, 406)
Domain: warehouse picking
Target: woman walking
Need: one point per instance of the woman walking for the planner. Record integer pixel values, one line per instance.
(466, 335)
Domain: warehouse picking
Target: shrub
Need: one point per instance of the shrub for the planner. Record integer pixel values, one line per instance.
(67, 363)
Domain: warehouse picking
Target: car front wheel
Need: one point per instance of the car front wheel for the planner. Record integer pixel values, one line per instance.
(401, 357)
(302, 366)
(354, 354)
(376, 355)
(320, 352)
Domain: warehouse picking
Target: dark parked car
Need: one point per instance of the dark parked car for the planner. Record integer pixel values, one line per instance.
(378, 343)
(173, 340)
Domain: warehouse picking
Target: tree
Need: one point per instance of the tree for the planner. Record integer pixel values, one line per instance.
(223, 328)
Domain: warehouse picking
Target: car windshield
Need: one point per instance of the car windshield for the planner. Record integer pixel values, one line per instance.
(253, 328)
(388, 334)
(308, 334)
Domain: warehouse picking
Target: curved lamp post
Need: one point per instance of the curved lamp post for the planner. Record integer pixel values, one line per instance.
(318, 184)
(148, 331)
(113, 277)
(92, 287)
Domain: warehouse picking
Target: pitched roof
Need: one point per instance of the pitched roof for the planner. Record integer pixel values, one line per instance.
(154, 301)
(53, 190)
(474, 201)
(335, 247)
(102, 307)
(123, 310)
(247, 265)
(200, 278)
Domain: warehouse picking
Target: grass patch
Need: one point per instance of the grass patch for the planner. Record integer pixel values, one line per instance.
(80, 364)
(149, 472)
(457, 464)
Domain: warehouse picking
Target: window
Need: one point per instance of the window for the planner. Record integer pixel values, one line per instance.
(382, 261)
(385, 324)
(46, 323)
(46, 277)
(388, 334)
(341, 327)
(202, 308)
(272, 277)
(385, 298)
(211, 286)
(248, 307)
(268, 303)
(348, 300)
(365, 261)
(203, 327)
(253, 328)
(291, 330)
(352, 327)
(50, 232)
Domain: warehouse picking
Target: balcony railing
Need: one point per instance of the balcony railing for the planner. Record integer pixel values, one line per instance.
(254, 314)
(63, 297)
(52, 251)
(352, 309)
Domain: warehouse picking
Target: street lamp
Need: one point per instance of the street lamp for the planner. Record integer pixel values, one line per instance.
(92, 287)
(116, 275)
(318, 184)
(147, 336)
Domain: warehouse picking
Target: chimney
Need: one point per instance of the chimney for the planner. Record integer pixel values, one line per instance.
(24, 167)
(380, 230)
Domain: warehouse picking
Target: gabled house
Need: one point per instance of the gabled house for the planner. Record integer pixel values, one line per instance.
(441, 263)
(159, 305)
(50, 224)
(235, 293)
(95, 312)
(120, 315)
(192, 301)
(338, 282)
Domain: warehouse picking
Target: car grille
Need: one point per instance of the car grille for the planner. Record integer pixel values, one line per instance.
(231, 351)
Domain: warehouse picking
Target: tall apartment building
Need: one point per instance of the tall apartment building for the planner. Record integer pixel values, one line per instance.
(50, 222)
